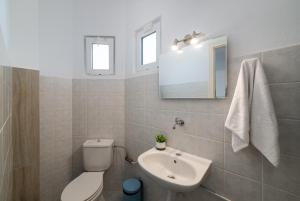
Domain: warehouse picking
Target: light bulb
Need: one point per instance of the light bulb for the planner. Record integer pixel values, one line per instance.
(199, 45)
(194, 41)
(174, 47)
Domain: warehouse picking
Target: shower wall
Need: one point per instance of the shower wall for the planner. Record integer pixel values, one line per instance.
(26, 134)
(241, 176)
(19, 134)
(6, 146)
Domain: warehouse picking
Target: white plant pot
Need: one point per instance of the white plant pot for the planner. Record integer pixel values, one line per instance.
(160, 145)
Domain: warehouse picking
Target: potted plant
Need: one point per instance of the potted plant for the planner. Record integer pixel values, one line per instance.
(160, 142)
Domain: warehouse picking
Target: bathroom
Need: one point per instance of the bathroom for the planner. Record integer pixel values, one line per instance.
(52, 100)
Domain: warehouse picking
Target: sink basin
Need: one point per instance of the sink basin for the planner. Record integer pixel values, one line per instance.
(173, 169)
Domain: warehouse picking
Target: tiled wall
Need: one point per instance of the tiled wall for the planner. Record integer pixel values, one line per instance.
(19, 134)
(242, 176)
(6, 146)
(55, 136)
(26, 134)
(80, 109)
(70, 114)
(99, 112)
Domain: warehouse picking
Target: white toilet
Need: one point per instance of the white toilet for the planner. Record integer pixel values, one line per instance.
(97, 157)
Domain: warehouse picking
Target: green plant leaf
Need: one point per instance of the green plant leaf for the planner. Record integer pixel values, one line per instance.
(160, 138)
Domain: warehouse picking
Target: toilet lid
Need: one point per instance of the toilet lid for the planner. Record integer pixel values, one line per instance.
(83, 187)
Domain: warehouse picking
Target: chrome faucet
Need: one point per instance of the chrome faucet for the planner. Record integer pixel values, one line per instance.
(178, 122)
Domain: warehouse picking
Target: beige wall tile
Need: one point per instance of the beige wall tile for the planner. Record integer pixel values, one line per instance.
(6, 146)
(98, 112)
(56, 136)
(247, 162)
(203, 134)
(241, 189)
(26, 134)
(286, 176)
(274, 194)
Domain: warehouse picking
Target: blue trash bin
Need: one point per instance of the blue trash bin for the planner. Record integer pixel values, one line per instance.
(132, 190)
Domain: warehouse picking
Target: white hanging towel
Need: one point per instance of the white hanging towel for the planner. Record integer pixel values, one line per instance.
(251, 117)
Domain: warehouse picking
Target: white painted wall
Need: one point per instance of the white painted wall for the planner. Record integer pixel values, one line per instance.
(251, 26)
(4, 58)
(104, 18)
(37, 34)
(56, 38)
(48, 34)
(19, 33)
(4, 31)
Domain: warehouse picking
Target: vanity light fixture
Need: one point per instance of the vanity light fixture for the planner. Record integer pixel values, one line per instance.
(189, 39)
(195, 38)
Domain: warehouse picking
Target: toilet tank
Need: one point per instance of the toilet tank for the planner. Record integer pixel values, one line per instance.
(97, 154)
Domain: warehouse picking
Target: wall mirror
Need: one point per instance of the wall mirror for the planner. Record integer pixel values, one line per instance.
(198, 71)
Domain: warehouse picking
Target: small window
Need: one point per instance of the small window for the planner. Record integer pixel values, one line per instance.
(148, 45)
(99, 55)
(149, 49)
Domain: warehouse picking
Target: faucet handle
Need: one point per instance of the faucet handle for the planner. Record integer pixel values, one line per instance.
(179, 122)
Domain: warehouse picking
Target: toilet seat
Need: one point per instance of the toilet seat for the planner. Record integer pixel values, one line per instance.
(86, 187)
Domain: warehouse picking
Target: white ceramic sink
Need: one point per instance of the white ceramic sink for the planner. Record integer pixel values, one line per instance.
(173, 169)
